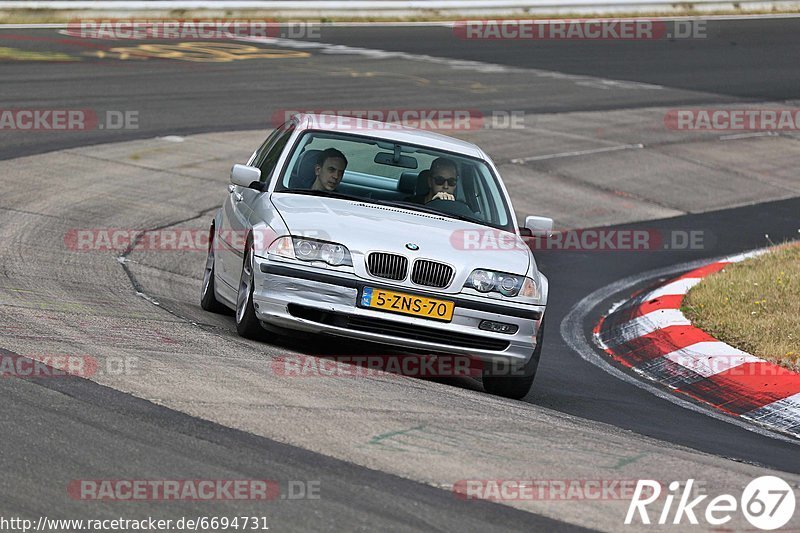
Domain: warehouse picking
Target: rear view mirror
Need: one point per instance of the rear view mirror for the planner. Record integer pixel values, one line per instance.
(388, 158)
(244, 176)
(538, 225)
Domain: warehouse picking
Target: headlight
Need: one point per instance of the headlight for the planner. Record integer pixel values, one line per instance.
(505, 284)
(335, 254)
(310, 250)
(482, 280)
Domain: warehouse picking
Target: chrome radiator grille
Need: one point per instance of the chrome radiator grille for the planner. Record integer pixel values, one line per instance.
(389, 266)
(431, 273)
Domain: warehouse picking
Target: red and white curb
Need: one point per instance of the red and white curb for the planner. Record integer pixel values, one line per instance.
(650, 335)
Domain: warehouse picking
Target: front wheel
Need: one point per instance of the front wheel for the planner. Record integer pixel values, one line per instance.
(247, 324)
(518, 386)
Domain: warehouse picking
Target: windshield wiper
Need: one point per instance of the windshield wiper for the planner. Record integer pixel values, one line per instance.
(421, 207)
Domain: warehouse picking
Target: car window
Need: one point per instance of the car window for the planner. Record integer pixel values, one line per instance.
(267, 165)
(380, 171)
(258, 157)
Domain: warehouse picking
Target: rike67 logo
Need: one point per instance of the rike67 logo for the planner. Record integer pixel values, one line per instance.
(767, 503)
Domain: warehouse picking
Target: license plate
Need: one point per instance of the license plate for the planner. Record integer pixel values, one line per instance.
(407, 304)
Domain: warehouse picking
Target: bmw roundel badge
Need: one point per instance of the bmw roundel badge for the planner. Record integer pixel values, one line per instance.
(411, 246)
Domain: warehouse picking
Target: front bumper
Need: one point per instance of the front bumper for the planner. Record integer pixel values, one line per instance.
(311, 300)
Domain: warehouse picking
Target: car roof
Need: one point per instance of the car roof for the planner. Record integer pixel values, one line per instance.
(389, 131)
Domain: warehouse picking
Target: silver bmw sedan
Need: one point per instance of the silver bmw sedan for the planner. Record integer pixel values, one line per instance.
(375, 231)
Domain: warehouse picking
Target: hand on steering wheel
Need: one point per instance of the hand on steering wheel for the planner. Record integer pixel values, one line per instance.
(443, 196)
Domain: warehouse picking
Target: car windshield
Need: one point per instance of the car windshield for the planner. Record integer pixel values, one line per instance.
(385, 172)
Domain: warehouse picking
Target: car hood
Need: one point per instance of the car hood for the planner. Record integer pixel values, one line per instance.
(365, 227)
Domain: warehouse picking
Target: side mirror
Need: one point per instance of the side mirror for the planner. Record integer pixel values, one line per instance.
(539, 225)
(244, 176)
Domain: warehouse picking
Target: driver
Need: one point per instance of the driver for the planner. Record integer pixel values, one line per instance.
(442, 181)
(329, 170)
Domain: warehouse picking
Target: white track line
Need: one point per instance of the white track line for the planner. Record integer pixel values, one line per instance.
(710, 357)
(521, 160)
(679, 286)
(455, 64)
(781, 414)
(652, 321)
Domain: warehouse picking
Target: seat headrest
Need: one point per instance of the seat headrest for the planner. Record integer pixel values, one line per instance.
(304, 176)
(422, 182)
(408, 182)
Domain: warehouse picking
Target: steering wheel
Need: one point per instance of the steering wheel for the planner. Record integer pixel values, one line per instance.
(453, 207)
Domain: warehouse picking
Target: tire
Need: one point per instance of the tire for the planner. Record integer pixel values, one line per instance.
(247, 324)
(208, 300)
(515, 387)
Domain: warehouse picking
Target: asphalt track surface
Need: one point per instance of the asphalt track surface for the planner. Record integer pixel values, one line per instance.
(78, 422)
(732, 64)
(90, 424)
(714, 63)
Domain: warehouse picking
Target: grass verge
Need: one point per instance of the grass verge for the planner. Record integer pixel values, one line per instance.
(753, 305)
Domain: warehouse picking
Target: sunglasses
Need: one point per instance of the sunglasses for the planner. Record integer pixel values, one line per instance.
(439, 180)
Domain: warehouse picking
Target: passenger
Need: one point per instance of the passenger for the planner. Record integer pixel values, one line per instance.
(442, 181)
(329, 170)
